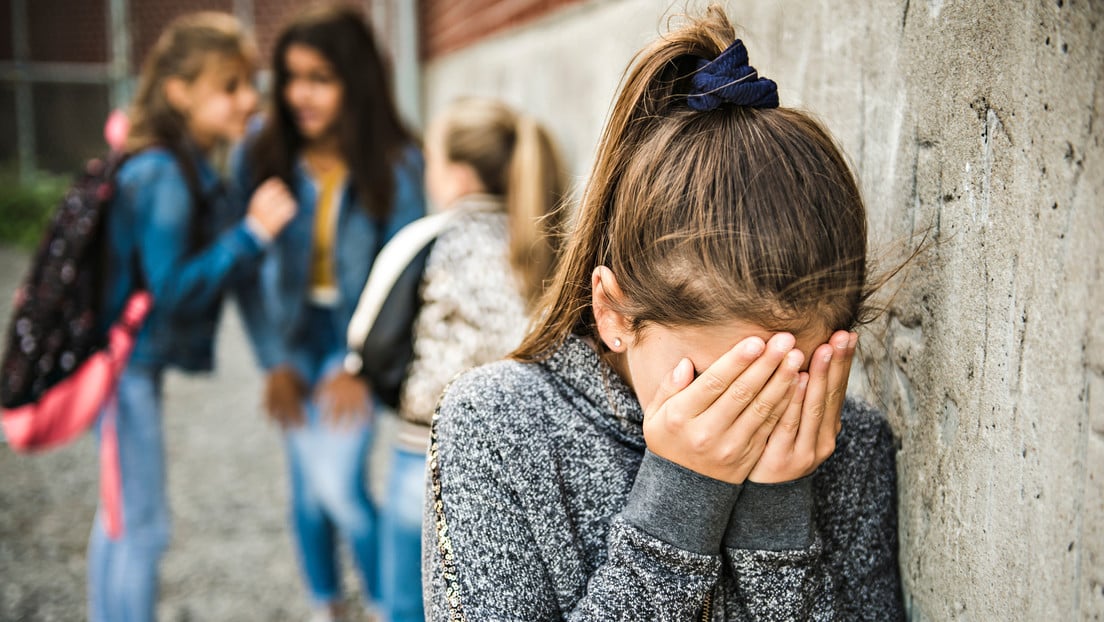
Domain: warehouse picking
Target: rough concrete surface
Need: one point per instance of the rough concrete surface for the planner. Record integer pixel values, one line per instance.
(977, 124)
(230, 558)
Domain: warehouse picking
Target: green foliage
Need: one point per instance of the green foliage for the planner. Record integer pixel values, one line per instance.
(26, 208)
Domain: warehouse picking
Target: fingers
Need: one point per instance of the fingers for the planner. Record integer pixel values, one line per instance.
(283, 392)
(843, 347)
(755, 397)
(273, 187)
(718, 378)
(827, 390)
(815, 395)
(269, 192)
(780, 460)
(344, 400)
(272, 205)
(765, 409)
(777, 400)
(285, 410)
(342, 412)
(843, 352)
(286, 414)
(790, 421)
(672, 383)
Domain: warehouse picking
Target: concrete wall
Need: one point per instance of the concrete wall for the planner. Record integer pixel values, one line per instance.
(980, 123)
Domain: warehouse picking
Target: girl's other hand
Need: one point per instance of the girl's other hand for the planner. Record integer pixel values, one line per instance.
(806, 434)
(283, 398)
(719, 425)
(344, 399)
(272, 206)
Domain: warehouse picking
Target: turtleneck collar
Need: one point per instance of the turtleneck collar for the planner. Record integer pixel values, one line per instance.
(578, 365)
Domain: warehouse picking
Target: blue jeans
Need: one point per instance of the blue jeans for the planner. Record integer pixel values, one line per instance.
(401, 538)
(326, 464)
(123, 573)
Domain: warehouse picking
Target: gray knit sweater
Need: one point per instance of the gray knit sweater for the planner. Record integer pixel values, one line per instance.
(544, 504)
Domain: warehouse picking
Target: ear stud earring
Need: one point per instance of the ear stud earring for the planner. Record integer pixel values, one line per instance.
(617, 342)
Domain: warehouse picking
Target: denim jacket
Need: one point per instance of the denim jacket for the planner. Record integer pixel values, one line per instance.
(148, 228)
(272, 302)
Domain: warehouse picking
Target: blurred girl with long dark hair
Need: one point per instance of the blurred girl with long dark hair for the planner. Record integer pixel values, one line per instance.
(334, 136)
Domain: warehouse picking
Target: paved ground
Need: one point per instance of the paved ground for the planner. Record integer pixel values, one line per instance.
(230, 557)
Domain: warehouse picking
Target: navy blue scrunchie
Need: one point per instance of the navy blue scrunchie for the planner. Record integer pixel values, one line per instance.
(729, 79)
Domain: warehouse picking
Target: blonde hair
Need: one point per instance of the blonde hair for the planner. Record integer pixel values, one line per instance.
(514, 157)
(181, 51)
(704, 217)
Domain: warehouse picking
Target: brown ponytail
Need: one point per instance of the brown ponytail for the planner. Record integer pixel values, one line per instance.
(705, 217)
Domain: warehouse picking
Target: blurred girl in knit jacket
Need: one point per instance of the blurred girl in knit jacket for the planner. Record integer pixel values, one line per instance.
(497, 171)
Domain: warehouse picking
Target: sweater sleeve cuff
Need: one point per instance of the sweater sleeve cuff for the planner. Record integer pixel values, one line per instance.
(773, 517)
(679, 506)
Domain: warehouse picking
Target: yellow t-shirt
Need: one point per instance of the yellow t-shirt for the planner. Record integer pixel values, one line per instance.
(331, 185)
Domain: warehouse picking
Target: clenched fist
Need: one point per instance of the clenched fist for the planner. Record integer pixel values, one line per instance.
(272, 206)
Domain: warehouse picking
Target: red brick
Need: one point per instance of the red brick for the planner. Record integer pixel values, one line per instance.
(149, 17)
(270, 17)
(448, 25)
(64, 31)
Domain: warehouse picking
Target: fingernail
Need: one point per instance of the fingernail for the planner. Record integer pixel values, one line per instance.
(683, 371)
(793, 359)
(826, 356)
(802, 381)
(853, 340)
(783, 342)
(753, 346)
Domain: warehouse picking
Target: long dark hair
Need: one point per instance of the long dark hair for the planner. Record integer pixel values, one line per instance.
(703, 217)
(372, 136)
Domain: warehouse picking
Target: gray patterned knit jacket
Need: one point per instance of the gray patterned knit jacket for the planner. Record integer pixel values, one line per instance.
(472, 312)
(544, 504)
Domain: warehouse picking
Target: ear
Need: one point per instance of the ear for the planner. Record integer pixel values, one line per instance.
(613, 326)
(178, 93)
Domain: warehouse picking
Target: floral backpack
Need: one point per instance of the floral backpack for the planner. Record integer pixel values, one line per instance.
(59, 364)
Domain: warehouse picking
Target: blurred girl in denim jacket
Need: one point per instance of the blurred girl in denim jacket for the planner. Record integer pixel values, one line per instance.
(170, 230)
(334, 136)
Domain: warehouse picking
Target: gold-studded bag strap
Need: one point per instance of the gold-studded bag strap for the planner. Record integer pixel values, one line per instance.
(444, 541)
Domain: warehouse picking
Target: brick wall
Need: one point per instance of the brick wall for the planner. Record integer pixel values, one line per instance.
(448, 25)
(68, 32)
(66, 125)
(269, 18)
(149, 17)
